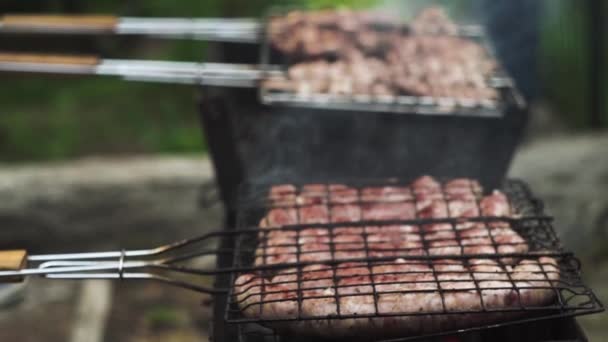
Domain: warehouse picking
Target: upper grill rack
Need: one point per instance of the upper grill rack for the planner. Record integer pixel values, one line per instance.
(423, 105)
(269, 67)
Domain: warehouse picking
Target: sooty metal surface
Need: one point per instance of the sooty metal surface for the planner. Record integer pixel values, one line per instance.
(250, 142)
(327, 137)
(555, 330)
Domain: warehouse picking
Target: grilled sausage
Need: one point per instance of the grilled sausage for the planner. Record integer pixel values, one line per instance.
(416, 296)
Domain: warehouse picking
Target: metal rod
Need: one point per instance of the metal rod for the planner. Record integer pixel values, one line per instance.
(242, 30)
(219, 74)
(236, 30)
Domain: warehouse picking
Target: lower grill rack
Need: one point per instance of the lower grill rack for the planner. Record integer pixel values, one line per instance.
(418, 297)
(398, 280)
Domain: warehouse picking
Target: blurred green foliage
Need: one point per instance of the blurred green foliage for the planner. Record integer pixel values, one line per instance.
(56, 117)
(564, 55)
(49, 118)
(164, 317)
(79, 117)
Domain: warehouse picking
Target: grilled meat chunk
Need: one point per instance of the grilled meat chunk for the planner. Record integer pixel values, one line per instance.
(381, 58)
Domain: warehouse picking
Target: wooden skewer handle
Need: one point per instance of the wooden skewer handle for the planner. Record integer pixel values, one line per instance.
(12, 260)
(49, 59)
(101, 23)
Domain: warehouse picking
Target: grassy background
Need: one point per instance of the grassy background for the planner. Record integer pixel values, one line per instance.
(49, 118)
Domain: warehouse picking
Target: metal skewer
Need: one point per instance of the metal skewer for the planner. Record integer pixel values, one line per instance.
(239, 30)
(242, 30)
(219, 74)
(239, 75)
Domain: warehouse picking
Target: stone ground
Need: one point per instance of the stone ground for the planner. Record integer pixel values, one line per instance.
(97, 204)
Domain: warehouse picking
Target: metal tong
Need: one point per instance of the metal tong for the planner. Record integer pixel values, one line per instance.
(160, 264)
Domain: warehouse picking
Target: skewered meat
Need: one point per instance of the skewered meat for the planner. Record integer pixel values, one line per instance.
(426, 58)
(436, 66)
(324, 32)
(433, 20)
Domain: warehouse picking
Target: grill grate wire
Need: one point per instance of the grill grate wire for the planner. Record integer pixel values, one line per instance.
(571, 296)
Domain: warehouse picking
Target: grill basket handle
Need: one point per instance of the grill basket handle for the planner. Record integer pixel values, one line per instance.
(63, 64)
(12, 260)
(242, 30)
(60, 23)
(48, 59)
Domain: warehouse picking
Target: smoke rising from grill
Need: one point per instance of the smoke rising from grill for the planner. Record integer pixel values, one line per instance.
(306, 144)
(516, 44)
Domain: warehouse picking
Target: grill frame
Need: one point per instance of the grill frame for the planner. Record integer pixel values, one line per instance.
(531, 218)
(549, 330)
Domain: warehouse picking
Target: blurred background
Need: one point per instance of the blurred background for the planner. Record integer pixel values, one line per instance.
(42, 122)
(93, 162)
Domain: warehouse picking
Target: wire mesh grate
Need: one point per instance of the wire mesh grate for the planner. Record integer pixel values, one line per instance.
(422, 274)
(255, 201)
(418, 294)
(508, 95)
